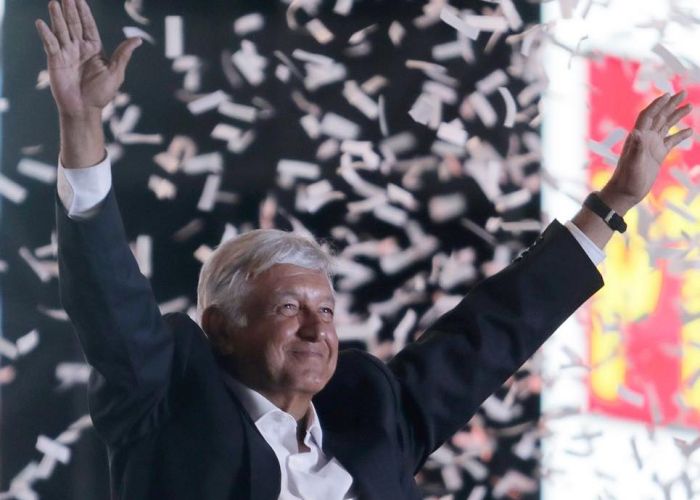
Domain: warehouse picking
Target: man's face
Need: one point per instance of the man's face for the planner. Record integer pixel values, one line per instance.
(289, 344)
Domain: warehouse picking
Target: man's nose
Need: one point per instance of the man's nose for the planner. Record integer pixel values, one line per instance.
(312, 326)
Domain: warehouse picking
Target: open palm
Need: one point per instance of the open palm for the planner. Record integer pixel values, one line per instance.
(648, 145)
(83, 80)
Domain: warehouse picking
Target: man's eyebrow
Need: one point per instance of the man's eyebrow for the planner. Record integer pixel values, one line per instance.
(294, 294)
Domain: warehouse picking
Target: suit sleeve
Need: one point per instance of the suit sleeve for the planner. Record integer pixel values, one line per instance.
(469, 352)
(117, 320)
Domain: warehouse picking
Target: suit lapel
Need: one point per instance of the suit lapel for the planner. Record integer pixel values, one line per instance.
(264, 478)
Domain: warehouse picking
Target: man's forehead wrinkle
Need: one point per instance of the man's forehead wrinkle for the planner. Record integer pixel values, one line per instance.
(301, 291)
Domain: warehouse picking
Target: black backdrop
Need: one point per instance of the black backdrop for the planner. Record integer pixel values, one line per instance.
(33, 404)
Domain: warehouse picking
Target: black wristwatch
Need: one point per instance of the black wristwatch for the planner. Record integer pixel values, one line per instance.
(611, 218)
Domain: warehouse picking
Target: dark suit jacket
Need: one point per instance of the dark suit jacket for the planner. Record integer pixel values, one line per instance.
(174, 431)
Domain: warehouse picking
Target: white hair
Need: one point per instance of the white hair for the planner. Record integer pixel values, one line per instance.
(224, 277)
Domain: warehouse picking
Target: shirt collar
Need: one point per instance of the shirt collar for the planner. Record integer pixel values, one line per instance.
(258, 406)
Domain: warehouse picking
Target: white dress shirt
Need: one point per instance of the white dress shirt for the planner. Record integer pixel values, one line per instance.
(305, 475)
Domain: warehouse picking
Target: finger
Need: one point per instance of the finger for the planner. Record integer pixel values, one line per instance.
(674, 140)
(122, 55)
(668, 108)
(675, 117)
(90, 31)
(48, 39)
(58, 23)
(75, 27)
(646, 117)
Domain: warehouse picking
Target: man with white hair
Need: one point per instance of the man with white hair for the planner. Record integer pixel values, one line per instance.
(255, 402)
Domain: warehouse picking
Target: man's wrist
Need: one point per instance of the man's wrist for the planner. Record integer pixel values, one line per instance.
(82, 140)
(619, 202)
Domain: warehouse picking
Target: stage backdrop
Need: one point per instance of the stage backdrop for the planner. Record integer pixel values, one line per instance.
(406, 142)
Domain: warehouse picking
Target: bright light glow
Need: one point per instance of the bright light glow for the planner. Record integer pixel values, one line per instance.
(587, 456)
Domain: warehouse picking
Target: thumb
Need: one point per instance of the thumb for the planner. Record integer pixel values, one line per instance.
(122, 55)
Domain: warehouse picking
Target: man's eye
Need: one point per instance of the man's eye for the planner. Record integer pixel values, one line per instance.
(290, 308)
(327, 310)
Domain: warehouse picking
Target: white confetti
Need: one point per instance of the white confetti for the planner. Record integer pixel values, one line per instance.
(174, 37)
(11, 190)
(53, 449)
(26, 343)
(453, 133)
(334, 125)
(291, 170)
(207, 102)
(208, 196)
(319, 31)
(249, 23)
(133, 31)
(511, 109)
(450, 17)
(37, 170)
(357, 98)
(238, 111)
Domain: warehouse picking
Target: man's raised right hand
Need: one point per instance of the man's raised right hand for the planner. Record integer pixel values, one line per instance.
(83, 80)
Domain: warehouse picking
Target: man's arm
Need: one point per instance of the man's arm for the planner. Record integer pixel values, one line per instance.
(645, 150)
(470, 352)
(110, 303)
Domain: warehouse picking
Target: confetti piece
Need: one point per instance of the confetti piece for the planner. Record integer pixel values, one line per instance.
(483, 109)
(315, 196)
(290, 170)
(515, 22)
(174, 37)
(336, 126)
(162, 188)
(403, 328)
(399, 195)
(361, 35)
(207, 102)
(453, 133)
(360, 100)
(250, 63)
(671, 61)
(208, 196)
(396, 33)
(237, 139)
(42, 172)
(343, 7)
(11, 190)
(26, 343)
(390, 214)
(511, 110)
(319, 31)
(53, 449)
(427, 110)
(478, 493)
(249, 23)
(133, 8)
(8, 349)
(492, 82)
(133, 31)
(72, 374)
(634, 398)
(451, 18)
(486, 23)
(205, 163)
(446, 207)
(127, 122)
(44, 271)
(238, 111)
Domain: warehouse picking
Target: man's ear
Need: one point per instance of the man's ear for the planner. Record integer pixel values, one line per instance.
(218, 329)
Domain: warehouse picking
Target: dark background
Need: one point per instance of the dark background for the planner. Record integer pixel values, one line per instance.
(32, 404)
